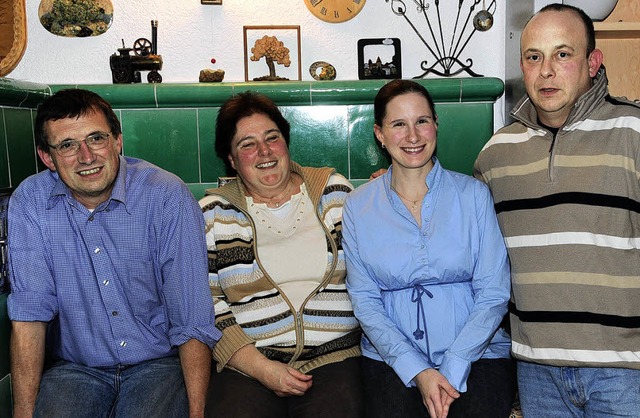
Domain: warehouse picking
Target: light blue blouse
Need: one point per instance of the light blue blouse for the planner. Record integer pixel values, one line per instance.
(429, 296)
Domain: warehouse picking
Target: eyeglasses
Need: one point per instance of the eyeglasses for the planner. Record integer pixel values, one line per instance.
(72, 147)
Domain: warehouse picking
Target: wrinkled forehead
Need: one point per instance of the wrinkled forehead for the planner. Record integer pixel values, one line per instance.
(76, 126)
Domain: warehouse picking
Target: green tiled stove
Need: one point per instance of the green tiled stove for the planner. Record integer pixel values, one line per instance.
(173, 125)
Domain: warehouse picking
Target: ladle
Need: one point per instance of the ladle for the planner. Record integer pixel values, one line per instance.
(483, 20)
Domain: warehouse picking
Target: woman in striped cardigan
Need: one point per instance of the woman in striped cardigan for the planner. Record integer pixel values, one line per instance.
(290, 344)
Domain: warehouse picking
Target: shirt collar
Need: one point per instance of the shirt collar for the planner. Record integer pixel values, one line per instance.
(431, 180)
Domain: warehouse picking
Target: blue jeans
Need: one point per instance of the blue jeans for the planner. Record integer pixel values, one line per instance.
(153, 388)
(549, 391)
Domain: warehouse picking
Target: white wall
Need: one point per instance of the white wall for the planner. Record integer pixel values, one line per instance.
(190, 34)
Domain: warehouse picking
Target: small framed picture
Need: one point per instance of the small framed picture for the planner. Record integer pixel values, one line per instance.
(211, 1)
(272, 53)
(379, 58)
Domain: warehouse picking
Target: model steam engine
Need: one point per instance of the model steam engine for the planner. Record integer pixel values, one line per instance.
(125, 68)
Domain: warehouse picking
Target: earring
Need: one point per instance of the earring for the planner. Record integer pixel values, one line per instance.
(383, 147)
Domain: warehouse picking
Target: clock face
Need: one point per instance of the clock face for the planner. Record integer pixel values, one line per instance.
(334, 11)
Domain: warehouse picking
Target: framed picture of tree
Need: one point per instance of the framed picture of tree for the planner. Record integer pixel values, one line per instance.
(272, 53)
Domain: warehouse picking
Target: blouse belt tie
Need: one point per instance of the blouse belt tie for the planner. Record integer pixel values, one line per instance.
(418, 334)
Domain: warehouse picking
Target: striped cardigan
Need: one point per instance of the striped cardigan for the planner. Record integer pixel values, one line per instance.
(250, 309)
(569, 209)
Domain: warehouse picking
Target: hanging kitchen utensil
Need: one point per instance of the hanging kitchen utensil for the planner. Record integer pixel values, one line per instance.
(483, 20)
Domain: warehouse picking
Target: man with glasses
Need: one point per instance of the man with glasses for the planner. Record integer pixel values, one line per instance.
(109, 277)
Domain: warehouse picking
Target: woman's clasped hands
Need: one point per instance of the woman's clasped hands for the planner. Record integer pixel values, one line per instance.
(437, 393)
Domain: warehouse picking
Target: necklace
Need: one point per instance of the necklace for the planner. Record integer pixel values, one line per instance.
(414, 203)
(266, 218)
(278, 199)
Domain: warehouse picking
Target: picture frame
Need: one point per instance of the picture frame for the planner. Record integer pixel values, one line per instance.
(211, 2)
(379, 58)
(260, 69)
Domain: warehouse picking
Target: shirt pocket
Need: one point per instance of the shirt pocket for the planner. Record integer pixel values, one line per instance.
(142, 288)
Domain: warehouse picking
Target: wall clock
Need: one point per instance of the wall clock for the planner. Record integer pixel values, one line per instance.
(334, 11)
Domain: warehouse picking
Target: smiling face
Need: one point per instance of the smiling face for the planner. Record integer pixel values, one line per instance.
(408, 132)
(260, 155)
(555, 65)
(90, 174)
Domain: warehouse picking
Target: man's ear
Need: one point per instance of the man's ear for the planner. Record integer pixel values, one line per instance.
(46, 159)
(595, 61)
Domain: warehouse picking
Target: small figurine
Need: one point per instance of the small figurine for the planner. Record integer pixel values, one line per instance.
(208, 75)
(125, 68)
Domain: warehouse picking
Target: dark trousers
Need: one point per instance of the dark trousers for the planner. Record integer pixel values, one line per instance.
(491, 388)
(336, 392)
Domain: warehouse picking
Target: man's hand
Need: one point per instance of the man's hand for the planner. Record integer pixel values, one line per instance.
(377, 173)
(437, 393)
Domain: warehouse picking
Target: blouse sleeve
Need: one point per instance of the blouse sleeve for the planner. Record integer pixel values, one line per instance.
(491, 286)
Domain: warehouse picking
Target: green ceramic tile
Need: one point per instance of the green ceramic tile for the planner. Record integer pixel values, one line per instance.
(345, 92)
(165, 137)
(366, 156)
(319, 135)
(21, 146)
(193, 95)
(4, 159)
(212, 167)
(198, 189)
(290, 93)
(459, 143)
(19, 93)
(121, 96)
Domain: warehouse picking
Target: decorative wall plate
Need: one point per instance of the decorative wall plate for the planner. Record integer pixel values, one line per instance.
(13, 34)
(321, 70)
(76, 18)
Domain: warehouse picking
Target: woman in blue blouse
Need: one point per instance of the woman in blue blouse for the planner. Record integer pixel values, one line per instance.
(428, 275)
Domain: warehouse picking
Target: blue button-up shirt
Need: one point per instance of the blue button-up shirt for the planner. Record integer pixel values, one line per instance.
(124, 283)
(429, 296)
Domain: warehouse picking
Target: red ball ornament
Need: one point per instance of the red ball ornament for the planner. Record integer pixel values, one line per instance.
(213, 60)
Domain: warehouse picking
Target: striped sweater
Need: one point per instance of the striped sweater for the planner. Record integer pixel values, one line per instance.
(569, 209)
(251, 309)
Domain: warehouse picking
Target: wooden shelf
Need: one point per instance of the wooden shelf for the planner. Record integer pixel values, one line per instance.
(618, 36)
(617, 30)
